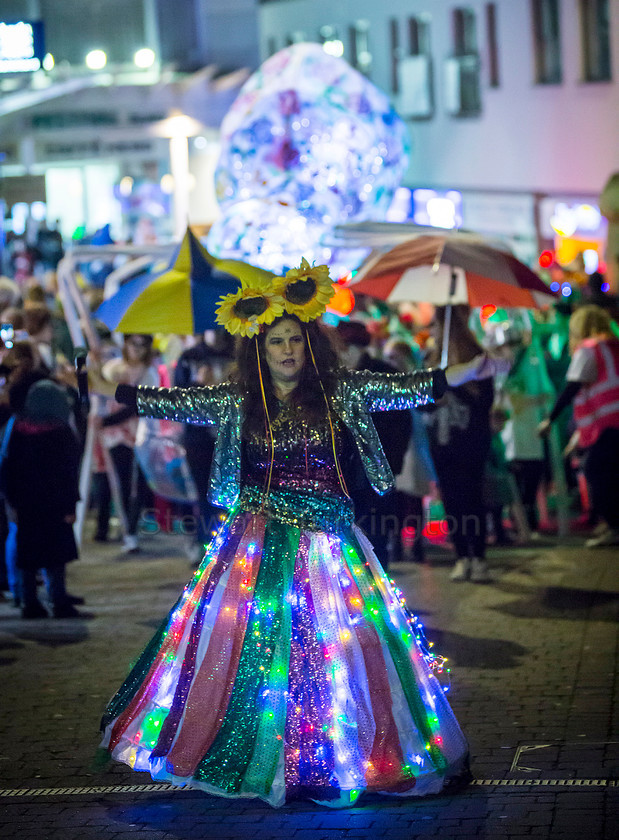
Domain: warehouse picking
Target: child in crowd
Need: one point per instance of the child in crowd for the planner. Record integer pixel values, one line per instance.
(500, 489)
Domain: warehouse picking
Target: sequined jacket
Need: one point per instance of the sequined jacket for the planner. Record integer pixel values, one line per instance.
(357, 394)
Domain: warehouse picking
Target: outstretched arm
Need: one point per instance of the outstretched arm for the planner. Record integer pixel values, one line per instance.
(385, 391)
(482, 366)
(200, 405)
(203, 406)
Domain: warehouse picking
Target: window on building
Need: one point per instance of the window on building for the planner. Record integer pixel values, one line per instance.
(419, 35)
(414, 70)
(547, 41)
(360, 55)
(595, 40)
(464, 32)
(395, 53)
(295, 38)
(462, 83)
(493, 50)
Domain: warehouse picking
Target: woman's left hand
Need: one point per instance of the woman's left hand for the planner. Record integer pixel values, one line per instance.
(488, 366)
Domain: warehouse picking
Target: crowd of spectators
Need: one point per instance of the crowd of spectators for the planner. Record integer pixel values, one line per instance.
(474, 463)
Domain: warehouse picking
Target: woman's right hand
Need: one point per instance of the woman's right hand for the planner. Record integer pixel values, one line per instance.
(96, 380)
(544, 428)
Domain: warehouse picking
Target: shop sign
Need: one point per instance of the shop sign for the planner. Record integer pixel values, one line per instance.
(502, 215)
(95, 148)
(21, 46)
(570, 217)
(442, 209)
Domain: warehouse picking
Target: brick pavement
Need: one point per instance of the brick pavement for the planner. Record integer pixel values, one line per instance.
(534, 687)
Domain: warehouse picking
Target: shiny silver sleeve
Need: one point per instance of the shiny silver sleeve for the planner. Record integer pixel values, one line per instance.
(386, 391)
(201, 405)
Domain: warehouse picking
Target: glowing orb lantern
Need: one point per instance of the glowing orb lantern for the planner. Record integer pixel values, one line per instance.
(342, 302)
(310, 140)
(546, 259)
(487, 311)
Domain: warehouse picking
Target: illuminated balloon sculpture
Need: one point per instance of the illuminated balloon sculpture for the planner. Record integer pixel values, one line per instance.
(308, 144)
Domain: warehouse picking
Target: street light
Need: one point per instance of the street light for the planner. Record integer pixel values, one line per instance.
(96, 60)
(144, 58)
(178, 128)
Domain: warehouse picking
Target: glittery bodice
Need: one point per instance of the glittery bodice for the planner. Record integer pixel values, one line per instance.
(357, 394)
(303, 454)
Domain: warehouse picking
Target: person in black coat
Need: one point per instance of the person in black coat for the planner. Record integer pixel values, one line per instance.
(459, 435)
(200, 365)
(379, 516)
(41, 483)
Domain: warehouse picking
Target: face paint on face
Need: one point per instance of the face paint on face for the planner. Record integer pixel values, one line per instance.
(284, 347)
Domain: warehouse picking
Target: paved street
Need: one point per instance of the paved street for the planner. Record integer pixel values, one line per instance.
(533, 660)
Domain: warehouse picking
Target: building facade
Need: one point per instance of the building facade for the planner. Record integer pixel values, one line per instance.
(512, 107)
(88, 144)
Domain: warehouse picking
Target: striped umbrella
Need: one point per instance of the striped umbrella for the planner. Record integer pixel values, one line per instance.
(443, 270)
(179, 300)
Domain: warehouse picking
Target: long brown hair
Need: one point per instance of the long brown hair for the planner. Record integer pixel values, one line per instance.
(308, 394)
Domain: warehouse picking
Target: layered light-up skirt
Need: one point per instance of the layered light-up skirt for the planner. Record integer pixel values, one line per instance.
(289, 668)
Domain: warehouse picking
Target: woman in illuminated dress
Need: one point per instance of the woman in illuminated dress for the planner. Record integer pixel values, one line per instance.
(289, 667)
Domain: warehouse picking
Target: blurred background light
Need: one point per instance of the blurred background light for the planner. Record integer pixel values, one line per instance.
(167, 183)
(546, 259)
(126, 185)
(334, 47)
(591, 259)
(144, 58)
(96, 60)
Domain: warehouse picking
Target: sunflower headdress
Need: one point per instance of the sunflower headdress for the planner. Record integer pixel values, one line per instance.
(252, 306)
(304, 292)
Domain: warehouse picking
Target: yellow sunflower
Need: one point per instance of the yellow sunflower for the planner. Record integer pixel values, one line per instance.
(253, 305)
(306, 290)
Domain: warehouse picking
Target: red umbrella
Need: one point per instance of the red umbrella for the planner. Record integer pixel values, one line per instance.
(443, 270)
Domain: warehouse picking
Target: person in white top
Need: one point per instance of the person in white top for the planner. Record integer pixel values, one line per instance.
(119, 429)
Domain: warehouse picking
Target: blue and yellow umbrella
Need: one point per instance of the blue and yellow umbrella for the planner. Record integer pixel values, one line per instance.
(179, 300)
